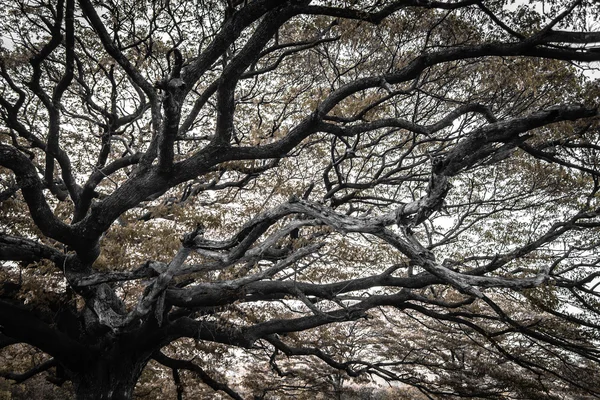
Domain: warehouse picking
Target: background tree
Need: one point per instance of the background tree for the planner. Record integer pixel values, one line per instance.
(183, 180)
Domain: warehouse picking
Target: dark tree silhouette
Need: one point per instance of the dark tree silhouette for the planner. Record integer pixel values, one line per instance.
(256, 173)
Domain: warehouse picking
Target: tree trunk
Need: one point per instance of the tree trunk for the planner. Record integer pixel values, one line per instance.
(112, 376)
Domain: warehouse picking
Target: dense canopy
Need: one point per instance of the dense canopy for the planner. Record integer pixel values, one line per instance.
(287, 199)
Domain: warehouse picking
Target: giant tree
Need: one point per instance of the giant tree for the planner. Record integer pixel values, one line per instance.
(246, 174)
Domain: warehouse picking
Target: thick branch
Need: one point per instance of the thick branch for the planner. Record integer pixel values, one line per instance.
(21, 324)
(20, 378)
(32, 188)
(379, 16)
(21, 249)
(90, 13)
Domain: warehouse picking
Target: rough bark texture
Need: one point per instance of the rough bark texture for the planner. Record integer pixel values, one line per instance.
(238, 173)
(112, 376)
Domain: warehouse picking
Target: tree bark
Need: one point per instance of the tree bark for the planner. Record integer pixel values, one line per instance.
(112, 376)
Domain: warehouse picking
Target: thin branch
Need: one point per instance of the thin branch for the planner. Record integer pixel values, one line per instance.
(20, 378)
(190, 366)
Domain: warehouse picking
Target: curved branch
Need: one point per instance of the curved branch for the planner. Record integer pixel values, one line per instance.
(190, 366)
(310, 351)
(426, 130)
(20, 378)
(21, 249)
(350, 313)
(379, 16)
(230, 31)
(90, 13)
(21, 324)
(32, 188)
